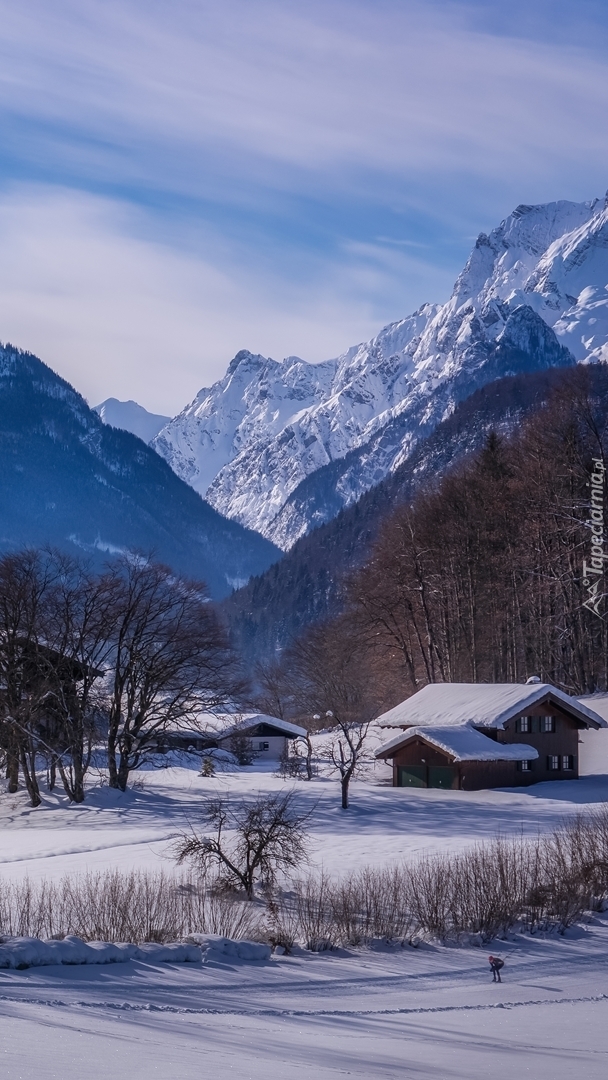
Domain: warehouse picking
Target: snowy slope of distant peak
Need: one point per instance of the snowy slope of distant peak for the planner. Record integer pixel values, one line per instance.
(132, 417)
(257, 398)
(249, 441)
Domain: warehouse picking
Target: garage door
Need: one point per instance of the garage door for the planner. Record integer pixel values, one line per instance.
(443, 776)
(411, 776)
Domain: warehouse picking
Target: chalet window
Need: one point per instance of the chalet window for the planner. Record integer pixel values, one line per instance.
(553, 762)
(547, 723)
(524, 724)
(525, 765)
(567, 761)
(263, 746)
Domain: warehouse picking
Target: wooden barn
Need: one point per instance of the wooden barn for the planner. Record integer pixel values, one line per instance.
(472, 736)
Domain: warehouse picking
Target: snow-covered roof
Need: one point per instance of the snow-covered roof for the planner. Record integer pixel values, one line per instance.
(222, 725)
(482, 704)
(464, 743)
(249, 720)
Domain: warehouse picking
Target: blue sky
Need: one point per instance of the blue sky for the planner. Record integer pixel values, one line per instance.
(182, 179)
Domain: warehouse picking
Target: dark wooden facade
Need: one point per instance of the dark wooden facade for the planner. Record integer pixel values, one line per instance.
(420, 764)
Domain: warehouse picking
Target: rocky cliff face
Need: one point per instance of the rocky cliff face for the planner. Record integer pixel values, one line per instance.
(281, 447)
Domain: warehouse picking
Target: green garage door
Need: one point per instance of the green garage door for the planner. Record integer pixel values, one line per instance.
(443, 776)
(411, 776)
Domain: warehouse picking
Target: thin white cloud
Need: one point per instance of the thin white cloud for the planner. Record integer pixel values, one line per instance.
(120, 315)
(255, 108)
(314, 88)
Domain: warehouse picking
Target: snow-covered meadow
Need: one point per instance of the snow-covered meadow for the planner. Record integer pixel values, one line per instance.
(426, 1012)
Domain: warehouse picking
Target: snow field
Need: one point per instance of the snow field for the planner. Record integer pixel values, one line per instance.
(134, 830)
(430, 1013)
(424, 1014)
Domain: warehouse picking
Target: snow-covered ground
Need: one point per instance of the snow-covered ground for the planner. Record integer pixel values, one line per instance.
(430, 1013)
(424, 1014)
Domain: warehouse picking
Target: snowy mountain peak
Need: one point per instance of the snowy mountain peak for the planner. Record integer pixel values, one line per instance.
(533, 293)
(132, 417)
(245, 361)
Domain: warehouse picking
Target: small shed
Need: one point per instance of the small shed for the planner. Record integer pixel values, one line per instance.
(472, 736)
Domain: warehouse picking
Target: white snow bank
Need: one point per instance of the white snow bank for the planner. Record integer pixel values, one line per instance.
(241, 950)
(224, 760)
(26, 952)
(23, 952)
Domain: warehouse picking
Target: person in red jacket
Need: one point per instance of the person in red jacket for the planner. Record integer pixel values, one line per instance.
(495, 965)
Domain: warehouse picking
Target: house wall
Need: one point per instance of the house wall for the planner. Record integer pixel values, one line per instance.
(562, 742)
(478, 775)
(275, 746)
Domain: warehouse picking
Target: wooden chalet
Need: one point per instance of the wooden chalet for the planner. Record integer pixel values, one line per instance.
(267, 736)
(472, 736)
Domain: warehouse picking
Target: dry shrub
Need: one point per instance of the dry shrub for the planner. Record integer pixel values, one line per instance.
(113, 906)
(324, 914)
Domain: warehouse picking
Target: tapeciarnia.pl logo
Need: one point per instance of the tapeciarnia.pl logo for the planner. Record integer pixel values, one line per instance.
(593, 571)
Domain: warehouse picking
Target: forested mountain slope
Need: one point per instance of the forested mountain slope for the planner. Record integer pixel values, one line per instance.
(306, 585)
(68, 479)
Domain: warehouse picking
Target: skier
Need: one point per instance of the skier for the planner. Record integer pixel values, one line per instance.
(496, 964)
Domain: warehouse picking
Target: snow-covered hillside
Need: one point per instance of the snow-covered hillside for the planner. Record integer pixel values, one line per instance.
(533, 294)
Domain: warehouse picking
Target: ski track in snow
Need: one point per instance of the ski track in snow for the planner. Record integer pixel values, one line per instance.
(126, 1006)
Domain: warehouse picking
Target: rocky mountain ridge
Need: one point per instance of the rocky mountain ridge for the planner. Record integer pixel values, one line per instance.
(532, 295)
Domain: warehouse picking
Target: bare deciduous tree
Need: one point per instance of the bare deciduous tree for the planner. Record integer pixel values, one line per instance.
(55, 631)
(151, 636)
(273, 693)
(171, 661)
(82, 612)
(241, 745)
(348, 753)
(334, 678)
(248, 841)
